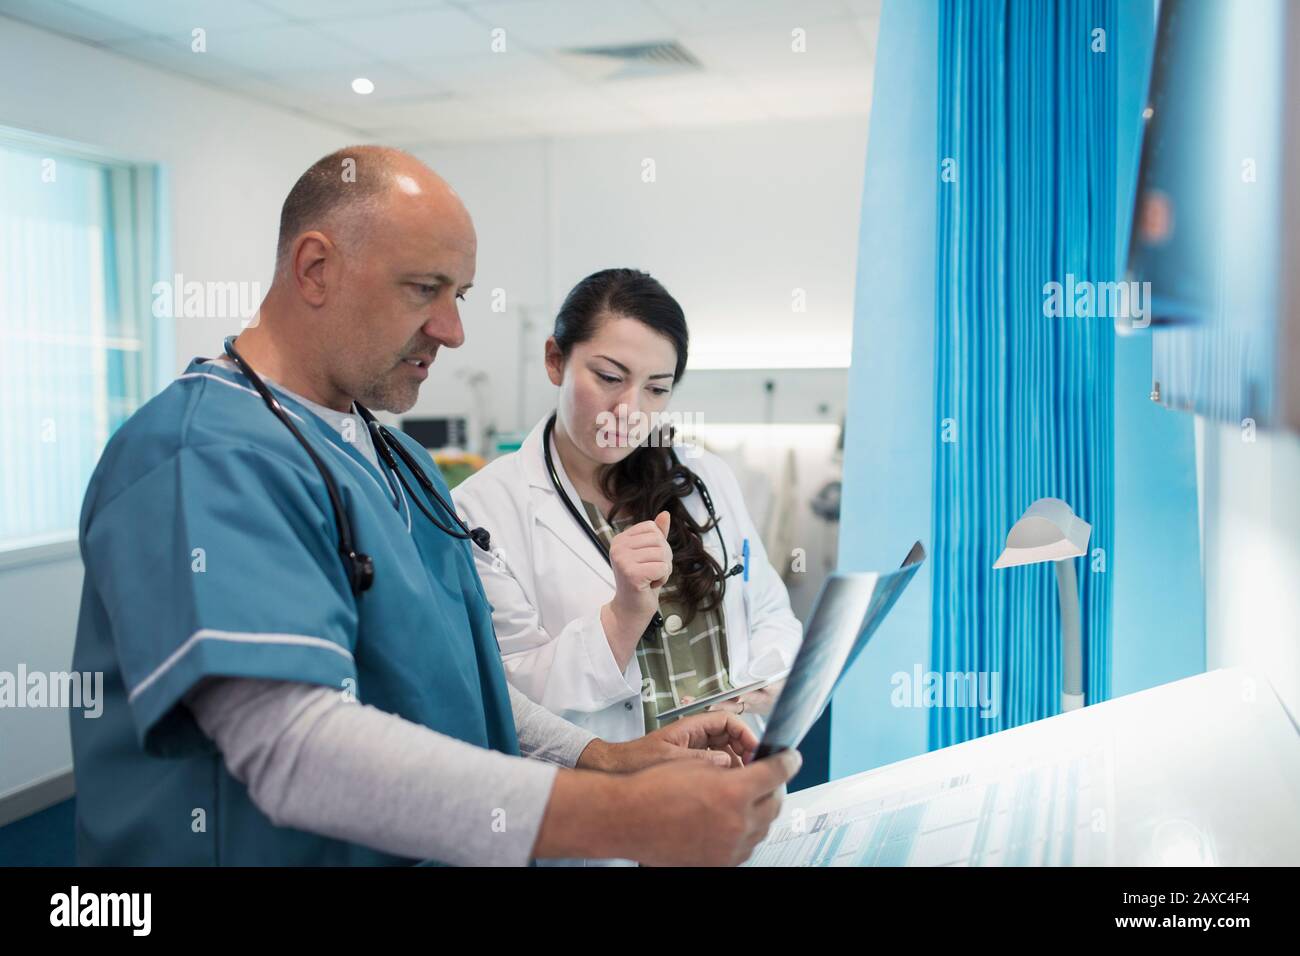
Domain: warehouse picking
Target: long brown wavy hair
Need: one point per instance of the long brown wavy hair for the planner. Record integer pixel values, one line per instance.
(652, 478)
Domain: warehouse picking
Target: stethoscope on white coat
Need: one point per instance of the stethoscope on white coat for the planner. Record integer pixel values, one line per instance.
(360, 567)
(657, 620)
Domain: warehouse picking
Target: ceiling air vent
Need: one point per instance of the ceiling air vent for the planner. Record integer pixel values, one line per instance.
(656, 58)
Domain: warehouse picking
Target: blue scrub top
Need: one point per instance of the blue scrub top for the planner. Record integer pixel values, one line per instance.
(210, 549)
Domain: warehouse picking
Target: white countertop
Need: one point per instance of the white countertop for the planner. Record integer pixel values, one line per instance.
(1202, 771)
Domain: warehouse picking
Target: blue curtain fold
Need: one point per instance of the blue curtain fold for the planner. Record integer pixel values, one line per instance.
(1027, 135)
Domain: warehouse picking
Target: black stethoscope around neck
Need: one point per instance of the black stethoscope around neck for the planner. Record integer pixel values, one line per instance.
(360, 567)
(585, 525)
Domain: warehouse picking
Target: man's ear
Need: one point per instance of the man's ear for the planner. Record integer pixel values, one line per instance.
(554, 361)
(311, 253)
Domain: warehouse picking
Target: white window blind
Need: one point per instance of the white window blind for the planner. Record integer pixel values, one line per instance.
(77, 338)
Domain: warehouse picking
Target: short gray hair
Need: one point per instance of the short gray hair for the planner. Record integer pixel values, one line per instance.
(352, 177)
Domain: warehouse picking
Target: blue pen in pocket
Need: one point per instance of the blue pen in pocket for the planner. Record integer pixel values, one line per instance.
(744, 557)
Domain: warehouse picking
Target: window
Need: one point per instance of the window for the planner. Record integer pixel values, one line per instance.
(77, 339)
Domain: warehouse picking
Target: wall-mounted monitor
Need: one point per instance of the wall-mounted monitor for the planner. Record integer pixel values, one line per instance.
(1216, 224)
(437, 433)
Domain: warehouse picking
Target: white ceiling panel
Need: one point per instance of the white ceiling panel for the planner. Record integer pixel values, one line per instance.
(288, 47)
(331, 9)
(71, 21)
(564, 24)
(772, 48)
(437, 78)
(695, 15)
(175, 53)
(419, 35)
(495, 72)
(334, 85)
(151, 17)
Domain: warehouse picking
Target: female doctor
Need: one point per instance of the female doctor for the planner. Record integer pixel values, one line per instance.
(617, 575)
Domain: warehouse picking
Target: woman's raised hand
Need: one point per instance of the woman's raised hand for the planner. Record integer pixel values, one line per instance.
(642, 561)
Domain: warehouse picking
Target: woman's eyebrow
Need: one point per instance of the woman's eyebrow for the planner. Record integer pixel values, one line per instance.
(627, 371)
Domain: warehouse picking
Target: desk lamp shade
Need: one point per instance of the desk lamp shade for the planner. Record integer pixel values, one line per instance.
(1049, 530)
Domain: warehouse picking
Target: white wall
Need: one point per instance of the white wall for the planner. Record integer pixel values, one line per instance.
(1252, 555)
(40, 618)
(230, 162)
(736, 218)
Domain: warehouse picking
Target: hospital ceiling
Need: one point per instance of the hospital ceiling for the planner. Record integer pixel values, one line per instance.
(559, 67)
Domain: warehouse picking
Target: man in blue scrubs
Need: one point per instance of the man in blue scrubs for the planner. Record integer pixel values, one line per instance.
(258, 710)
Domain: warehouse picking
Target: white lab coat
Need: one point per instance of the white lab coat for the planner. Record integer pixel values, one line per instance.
(547, 583)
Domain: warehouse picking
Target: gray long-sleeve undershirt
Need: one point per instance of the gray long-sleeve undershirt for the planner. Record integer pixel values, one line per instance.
(313, 760)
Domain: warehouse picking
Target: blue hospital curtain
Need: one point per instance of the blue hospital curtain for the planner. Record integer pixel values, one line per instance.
(1026, 196)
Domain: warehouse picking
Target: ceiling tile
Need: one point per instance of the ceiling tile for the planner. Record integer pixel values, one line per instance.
(695, 16)
(436, 79)
(177, 55)
(515, 69)
(286, 48)
(392, 82)
(830, 43)
(152, 16)
(421, 34)
(564, 24)
(70, 21)
(331, 9)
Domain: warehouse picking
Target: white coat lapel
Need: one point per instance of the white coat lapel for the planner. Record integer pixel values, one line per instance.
(550, 512)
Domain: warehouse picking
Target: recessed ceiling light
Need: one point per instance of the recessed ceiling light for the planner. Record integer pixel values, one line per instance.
(362, 85)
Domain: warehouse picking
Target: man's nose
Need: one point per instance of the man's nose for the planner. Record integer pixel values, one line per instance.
(445, 325)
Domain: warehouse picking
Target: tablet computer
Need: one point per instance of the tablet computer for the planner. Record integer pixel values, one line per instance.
(700, 703)
(848, 611)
